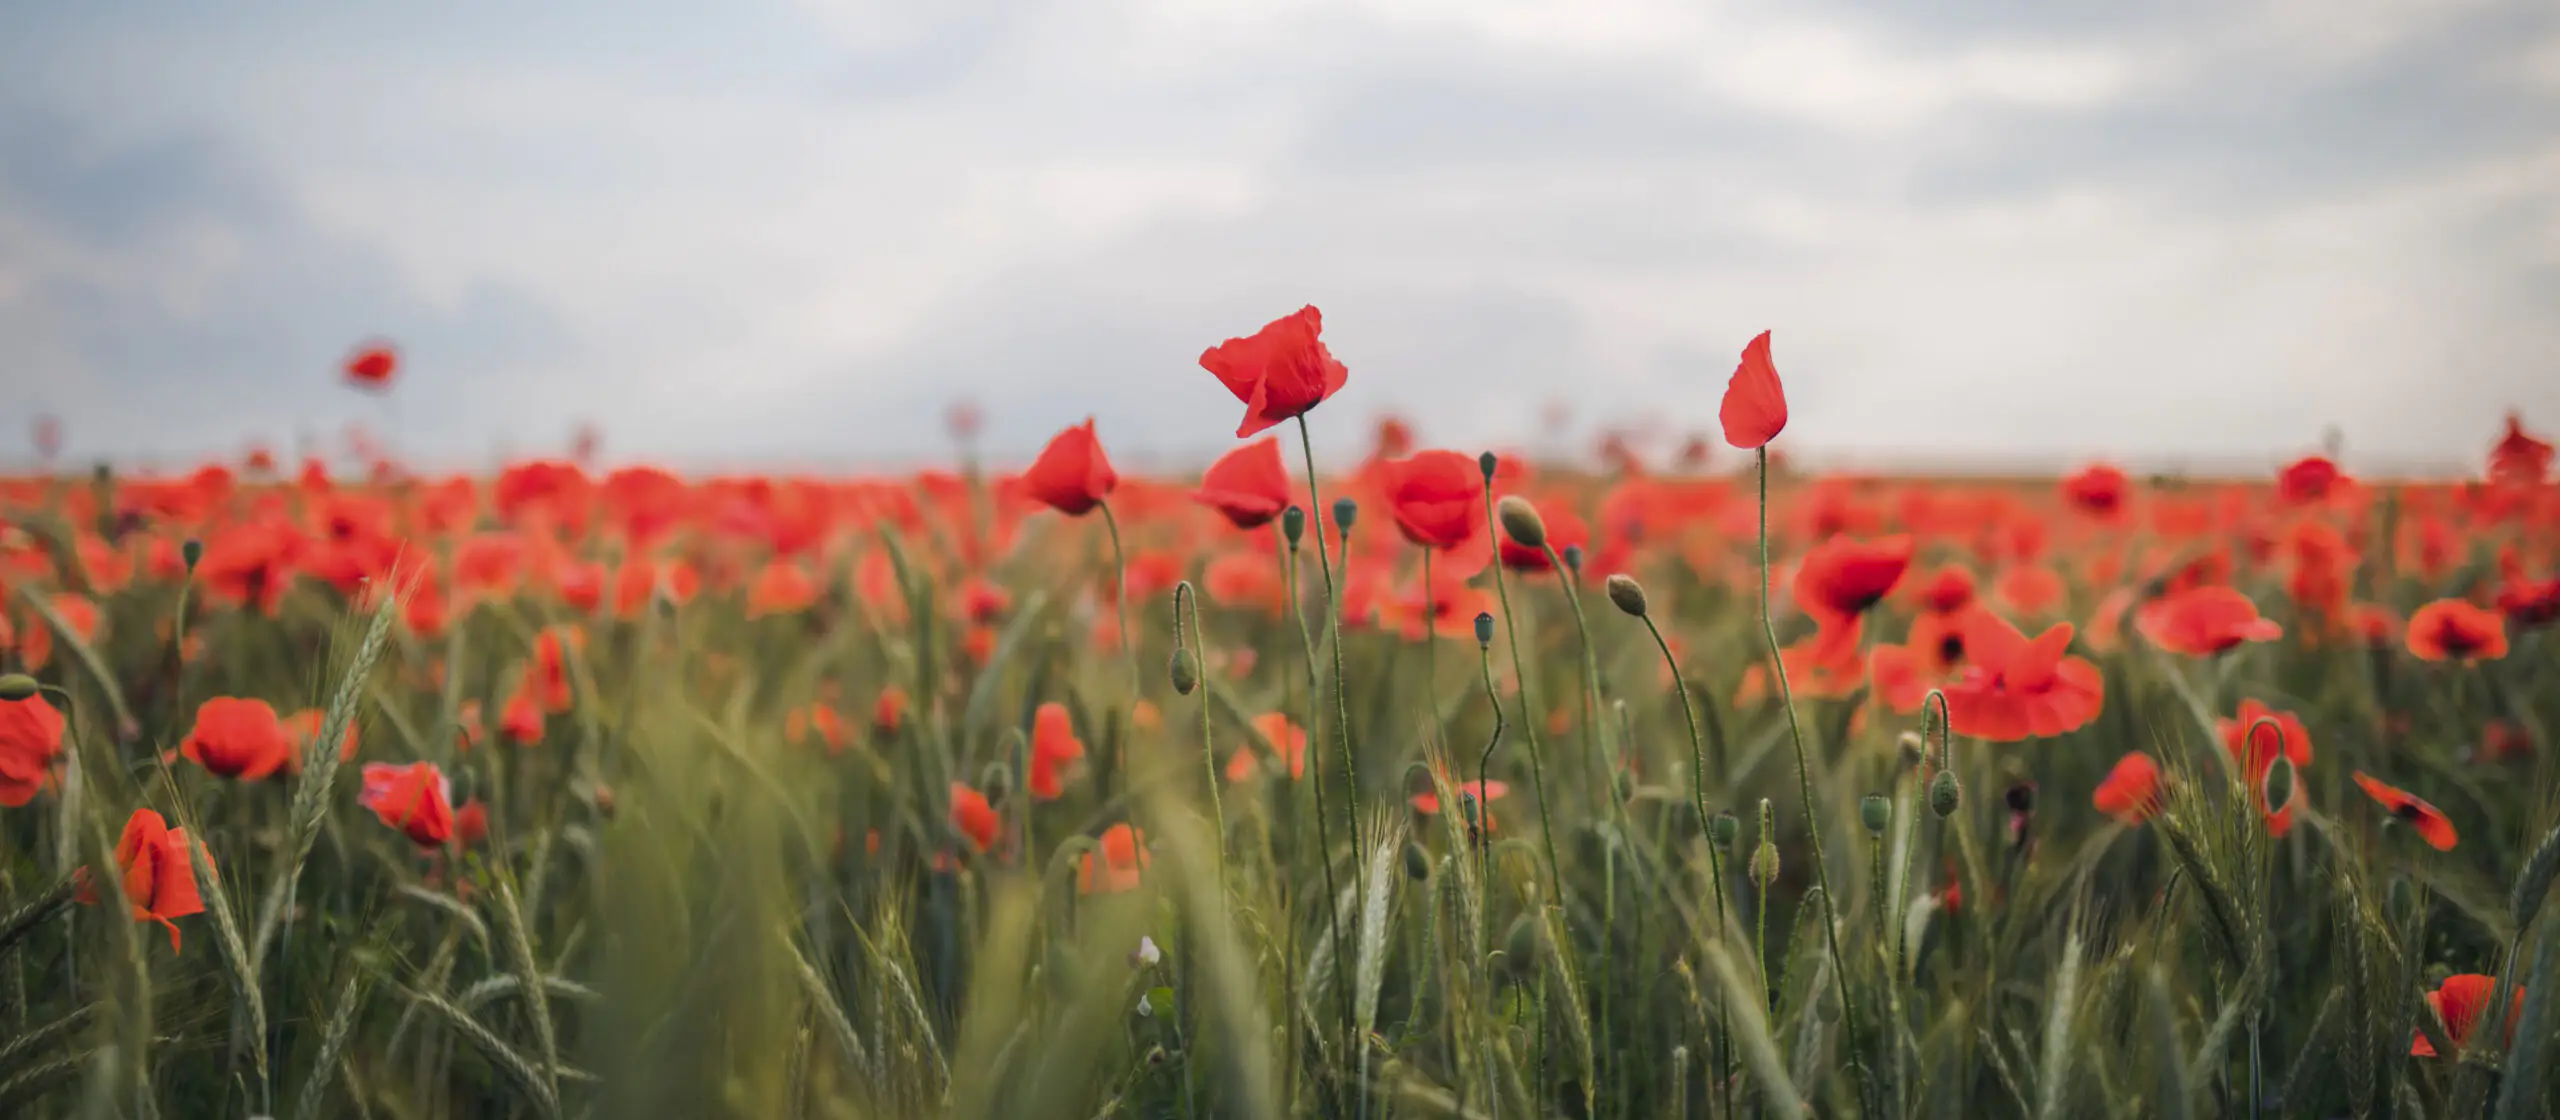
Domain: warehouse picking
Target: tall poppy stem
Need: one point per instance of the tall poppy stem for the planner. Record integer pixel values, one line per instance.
(1120, 601)
(1315, 725)
(1603, 760)
(1706, 829)
(1183, 596)
(1528, 715)
(1430, 642)
(1804, 791)
(1333, 633)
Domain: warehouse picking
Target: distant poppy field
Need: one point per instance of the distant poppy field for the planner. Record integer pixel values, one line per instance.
(1441, 784)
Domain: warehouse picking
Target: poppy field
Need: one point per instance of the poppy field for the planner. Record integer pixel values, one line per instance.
(1440, 784)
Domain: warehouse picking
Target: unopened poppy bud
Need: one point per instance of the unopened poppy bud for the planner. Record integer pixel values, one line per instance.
(1520, 521)
(1627, 594)
(1486, 463)
(1484, 629)
(191, 550)
(1726, 828)
(1914, 749)
(1185, 670)
(1417, 865)
(1945, 796)
(1293, 524)
(1875, 813)
(1764, 865)
(1467, 806)
(1345, 511)
(996, 781)
(2279, 788)
(1573, 559)
(17, 686)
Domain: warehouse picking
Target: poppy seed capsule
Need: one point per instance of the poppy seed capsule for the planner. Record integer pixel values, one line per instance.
(1484, 629)
(2279, 787)
(1875, 813)
(1945, 796)
(16, 687)
(1764, 865)
(1486, 463)
(1345, 511)
(1520, 521)
(1627, 594)
(1573, 559)
(1185, 670)
(191, 550)
(1726, 829)
(1293, 524)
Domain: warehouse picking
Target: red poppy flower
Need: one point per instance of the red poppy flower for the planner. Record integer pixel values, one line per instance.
(2131, 791)
(2529, 603)
(975, 819)
(2098, 490)
(1929, 656)
(889, 712)
(1843, 576)
(1249, 485)
(30, 739)
(1823, 665)
(2519, 457)
(1071, 475)
(1446, 609)
(1437, 500)
(825, 721)
(2453, 630)
(1485, 790)
(2255, 754)
(471, 823)
(159, 871)
(1245, 579)
(2031, 589)
(372, 367)
(2308, 479)
(236, 738)
(2459, 1001)
(1949, 591)
(2016, 688)
(2431, 824)
(1755, 404)
(1053, 746)
(1285, 737)
(2203, 621)
(415, 799)
(1279, 371)
(781, 587)
(1123, 855)
(521, 721)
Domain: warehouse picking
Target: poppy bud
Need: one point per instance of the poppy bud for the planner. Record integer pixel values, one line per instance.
(1185, 670)
(191, 550)
(1467, 806)
(1764, 865)
(1627, 594)
(1573, 560)
(1417, 866)
(1486, 463)
(1945, 796)
(1520, 522)
(1726, 829)
(1293, 525)
(996, 781)
(1484, 629)
(2279, 787)
(1875, 813)
(1345, 511)
(16, 687)
(1914, 749)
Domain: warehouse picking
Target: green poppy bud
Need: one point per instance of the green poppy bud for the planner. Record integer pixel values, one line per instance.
(1573, 559)
(1345, 511)
(1945, 796)
(1520, 521)
(1726, 828)
(996, 781)
(1293, 525)
(1484, 629)
(1486, 463)
(17, 686)
(1764, 864)
(1417, 865)
(191, 550)
(1627, 594)
(1185, 670)
(1875, 813)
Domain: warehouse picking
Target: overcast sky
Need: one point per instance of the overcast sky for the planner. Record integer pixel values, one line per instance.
(769, 233)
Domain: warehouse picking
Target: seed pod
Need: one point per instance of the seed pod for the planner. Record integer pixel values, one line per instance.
(1573, 560)
(1945, 796)
(1486, 463)
(1875, 813)
(1185, 670)
(1345, 511)
(1726, 828)
(1764, 864)
(17, 686)
(1417, 864)
(1627, 594)
(1520, 521)
(2278, 790)
(191, 551)
(1293, 525)
(1484, 629)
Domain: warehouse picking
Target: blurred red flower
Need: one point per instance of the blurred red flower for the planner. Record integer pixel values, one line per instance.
(2519, 457)
(414, 799)
(2255, 751)
(236, 738)
(2453, 630)
(2016, 688)
(373, 366)
(1278, 372)
(1053, 747)
(30, 740)
(2098, 490)
(1843, 576)
(1437, 501)
(2430, 822)
(1248, 485)
(2308, 479)
(1123, 854)
(1071, 475)
(2131, 791)
(2203, 621)
(2459, 1001)
(974, 817)
(159, 871)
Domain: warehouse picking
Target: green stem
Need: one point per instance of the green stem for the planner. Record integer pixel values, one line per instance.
(1333, 634)
(1804, 787)
(1120, 601)
(1183, 595)
(1431, 644)
(1324, 832)
(1528, 714)
(1603, 760)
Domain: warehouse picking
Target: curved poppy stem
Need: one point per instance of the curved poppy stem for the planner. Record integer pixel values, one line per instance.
(1183, 595)
(1120, 601)
(1528, 716)
(1804, 791)
(1333, 634)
